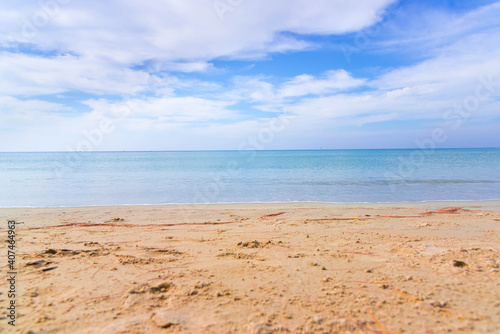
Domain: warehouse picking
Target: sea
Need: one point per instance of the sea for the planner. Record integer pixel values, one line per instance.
(68, 179)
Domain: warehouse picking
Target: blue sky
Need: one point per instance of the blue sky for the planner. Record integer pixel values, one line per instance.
(248, 74)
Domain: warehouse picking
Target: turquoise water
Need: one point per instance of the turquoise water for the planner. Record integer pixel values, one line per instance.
(118, 178)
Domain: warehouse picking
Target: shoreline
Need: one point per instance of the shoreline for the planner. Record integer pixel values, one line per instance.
(258, 268)
(486, 203)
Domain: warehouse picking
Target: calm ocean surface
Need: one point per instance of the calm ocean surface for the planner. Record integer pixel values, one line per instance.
(117, 178)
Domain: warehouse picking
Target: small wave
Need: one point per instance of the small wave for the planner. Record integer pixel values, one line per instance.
(388, 182)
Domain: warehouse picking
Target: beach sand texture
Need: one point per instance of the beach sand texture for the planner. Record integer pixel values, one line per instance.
(257, 268)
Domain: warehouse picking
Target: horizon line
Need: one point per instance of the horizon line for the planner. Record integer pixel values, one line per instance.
(263, 150)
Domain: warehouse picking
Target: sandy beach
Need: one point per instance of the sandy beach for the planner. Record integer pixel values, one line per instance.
(257, 268)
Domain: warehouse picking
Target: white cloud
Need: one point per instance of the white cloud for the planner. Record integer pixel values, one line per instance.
(27, 110)
(422, 29)
(426, 90)
(250, 88)
(22, 74)
(331, 82)
(164, 110)
(197, 66)
(257, 89)
(128, 31)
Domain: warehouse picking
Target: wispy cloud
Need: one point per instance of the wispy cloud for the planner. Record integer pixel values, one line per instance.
(128, 31)
(332, 81)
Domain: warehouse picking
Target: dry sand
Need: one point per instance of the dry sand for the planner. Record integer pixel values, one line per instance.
(257, 268)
